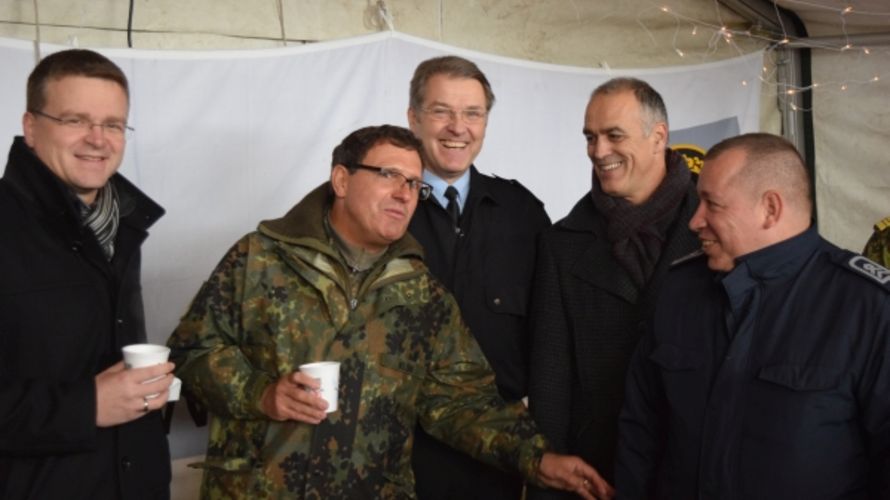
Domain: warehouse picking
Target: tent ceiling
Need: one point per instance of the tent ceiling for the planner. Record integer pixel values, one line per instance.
(828, 15)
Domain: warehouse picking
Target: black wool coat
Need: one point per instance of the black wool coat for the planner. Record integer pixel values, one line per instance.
(65, 313)
(587, 318)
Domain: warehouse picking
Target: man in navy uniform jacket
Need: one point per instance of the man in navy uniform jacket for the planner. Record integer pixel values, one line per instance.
(766, 370)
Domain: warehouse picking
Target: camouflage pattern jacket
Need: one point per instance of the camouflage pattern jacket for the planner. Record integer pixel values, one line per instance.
(280, 298)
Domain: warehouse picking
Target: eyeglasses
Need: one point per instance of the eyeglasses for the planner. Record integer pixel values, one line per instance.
(398, 179)
(110, 129)
(446, 114)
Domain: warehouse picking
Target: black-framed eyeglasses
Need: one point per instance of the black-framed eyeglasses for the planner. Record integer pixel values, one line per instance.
(397, 179)
(110, 129)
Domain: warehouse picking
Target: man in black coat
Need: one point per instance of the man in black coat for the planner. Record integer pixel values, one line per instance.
(73, 422)
(766, 370)
(601, 267)
(478, 233)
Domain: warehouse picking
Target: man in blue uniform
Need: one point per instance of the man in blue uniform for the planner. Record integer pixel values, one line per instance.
(765, 372)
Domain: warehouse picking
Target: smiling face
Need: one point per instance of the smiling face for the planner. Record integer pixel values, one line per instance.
(449, 145)
(628, 162)
(82, 159)
(730, 218)
(371, 211)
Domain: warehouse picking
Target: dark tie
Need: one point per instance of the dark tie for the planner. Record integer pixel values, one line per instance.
(453, 208)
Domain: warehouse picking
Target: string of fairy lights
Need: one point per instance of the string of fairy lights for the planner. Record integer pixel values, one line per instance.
(747, 39)
(686, 40)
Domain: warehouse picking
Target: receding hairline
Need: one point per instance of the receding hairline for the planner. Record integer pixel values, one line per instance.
(769, 163)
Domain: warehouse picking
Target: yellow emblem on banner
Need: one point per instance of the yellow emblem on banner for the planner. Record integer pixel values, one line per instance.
(694, 156)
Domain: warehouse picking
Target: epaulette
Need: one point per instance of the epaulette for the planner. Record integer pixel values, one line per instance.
(688, 257)
(873, 271)
(882, 224)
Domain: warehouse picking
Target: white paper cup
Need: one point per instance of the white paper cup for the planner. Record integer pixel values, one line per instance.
(142, 355)
(328, 374)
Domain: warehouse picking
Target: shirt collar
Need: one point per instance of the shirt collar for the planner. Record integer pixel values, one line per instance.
(780, 259)
(462, 184)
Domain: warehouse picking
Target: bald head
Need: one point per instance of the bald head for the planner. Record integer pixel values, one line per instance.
(771, 164)
(754, 193)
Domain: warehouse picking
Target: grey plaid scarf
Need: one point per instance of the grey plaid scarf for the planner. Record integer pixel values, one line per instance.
(103, 217)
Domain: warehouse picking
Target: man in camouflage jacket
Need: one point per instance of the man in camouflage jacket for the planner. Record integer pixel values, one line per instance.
(338, 279)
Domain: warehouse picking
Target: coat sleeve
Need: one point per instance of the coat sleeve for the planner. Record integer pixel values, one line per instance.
(206, 346)
(874, 399)
(640, 427)
(551, 364)
(551, 361)
(39, 418)
(459, 403)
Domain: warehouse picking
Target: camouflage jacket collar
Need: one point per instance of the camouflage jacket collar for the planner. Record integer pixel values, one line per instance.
(304, 225)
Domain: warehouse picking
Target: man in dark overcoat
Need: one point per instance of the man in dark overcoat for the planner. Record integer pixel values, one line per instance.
(73, 422)
(600, 269)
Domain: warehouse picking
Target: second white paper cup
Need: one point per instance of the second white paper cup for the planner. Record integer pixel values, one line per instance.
(328, 374)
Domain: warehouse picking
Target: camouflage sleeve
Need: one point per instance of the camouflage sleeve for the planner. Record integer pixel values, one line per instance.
(459, 404)
(878, 246)
(207, 344)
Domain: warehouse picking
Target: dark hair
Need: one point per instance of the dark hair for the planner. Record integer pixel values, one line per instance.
(771, 162)
(352, 150)
(651, 103)
(453, 66)
(73, 62)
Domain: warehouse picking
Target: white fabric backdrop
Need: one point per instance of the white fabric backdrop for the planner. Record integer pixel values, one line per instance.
(227, 138)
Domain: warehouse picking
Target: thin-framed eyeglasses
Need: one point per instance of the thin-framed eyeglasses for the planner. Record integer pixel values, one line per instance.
(111, 129)
(398, 179)
(446, 114)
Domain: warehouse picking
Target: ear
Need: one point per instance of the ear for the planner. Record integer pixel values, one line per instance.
(412, 118)
(340, 180)
(660, 135)
(28, 128)
(772, 204)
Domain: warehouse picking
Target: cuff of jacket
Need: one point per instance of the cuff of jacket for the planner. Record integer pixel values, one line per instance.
(253, 393)
(530, 458)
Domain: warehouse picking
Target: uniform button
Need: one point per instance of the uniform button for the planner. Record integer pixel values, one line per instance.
(120, 321)
(126, 463)
(497, 301)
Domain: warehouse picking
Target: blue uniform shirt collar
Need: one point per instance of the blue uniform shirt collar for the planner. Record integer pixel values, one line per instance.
(777, 260)
(462, 184)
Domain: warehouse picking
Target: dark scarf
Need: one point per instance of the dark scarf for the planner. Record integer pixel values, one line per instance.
(638, 232)
(102, 218)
